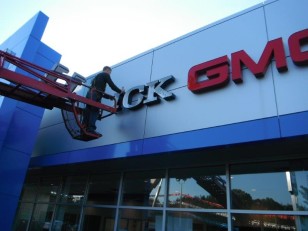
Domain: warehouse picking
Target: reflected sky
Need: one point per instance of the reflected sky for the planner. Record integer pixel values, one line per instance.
(258, 186)
(261, 186)
(270, 185)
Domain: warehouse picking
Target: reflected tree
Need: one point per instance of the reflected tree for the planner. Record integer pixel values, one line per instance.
(269, 204)
(241, 199)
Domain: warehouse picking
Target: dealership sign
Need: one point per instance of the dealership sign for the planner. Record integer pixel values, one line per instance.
(148, 94)
(217, 70)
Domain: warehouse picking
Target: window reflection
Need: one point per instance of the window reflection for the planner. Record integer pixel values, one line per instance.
(67, 218)
(139, 220)
(269, 222)
(49, 189)
(192, 221)
(297, 182)
(197, 188)
(41, 219)
(73, 189)
(194, 197)
(30, 189)
(98, 219)
(23, 216)
(144, 189)
(104, 189)
(273, 190)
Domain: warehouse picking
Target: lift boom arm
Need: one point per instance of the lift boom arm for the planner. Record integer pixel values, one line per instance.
(30, 83)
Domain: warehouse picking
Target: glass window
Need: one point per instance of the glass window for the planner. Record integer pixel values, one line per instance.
(298, 188)
(269, 186)
(140, 220)
(23, 216)
(144, 189)
(67, 218)
(41, 219)
(29, 190)
(73, 189)
(192, 221)
(268, 222)
(98, 219)
(104, 189)
(48, 189)
(197, 188)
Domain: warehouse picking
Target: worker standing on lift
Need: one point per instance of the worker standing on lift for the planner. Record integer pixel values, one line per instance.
(95, 93)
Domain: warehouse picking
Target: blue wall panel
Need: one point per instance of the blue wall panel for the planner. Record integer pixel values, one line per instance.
(294, 125)
(23, 129)
(126, 149)
(235, 133)
(12, 171)
(20, 121)
(7, 109)
(264, 129)
(8, 207)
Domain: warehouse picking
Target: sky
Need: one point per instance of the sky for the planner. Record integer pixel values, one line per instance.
(90, 34)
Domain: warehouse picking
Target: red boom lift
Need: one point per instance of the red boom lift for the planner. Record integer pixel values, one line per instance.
(50, 89)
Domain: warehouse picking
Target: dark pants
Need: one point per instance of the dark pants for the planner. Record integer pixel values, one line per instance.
(90, 114)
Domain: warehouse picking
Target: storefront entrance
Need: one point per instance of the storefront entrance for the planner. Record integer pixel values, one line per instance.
(259, 186)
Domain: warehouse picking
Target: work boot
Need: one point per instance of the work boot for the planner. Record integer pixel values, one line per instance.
(94, 132)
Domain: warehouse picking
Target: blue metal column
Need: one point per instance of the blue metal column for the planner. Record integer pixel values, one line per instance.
(20, 122)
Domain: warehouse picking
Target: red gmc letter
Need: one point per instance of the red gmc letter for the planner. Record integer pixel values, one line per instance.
(274, 48)
(295, 41)
(216, 70)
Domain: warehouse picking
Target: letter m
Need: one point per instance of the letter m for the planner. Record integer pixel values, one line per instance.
(273, 49)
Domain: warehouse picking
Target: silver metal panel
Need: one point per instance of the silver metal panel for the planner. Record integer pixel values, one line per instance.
(291, 89)
(245, 32)
(125, 126)
(133, 72)
(253, 99)
(291, 86)
(51, 117)
(292, 17)
(115, 129)
(53, 139)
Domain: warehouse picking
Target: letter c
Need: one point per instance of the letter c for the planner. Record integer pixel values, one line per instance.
(133, 97)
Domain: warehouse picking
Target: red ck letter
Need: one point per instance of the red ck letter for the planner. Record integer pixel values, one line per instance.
(216, 71)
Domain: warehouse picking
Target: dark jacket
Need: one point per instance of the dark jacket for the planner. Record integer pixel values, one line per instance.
(100, 81)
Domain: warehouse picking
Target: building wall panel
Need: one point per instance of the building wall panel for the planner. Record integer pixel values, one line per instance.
(249, 105)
